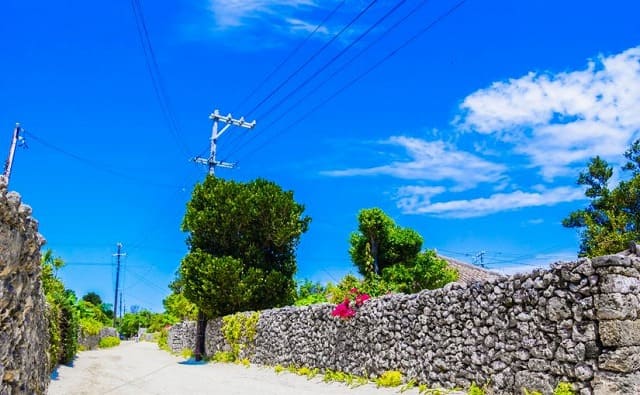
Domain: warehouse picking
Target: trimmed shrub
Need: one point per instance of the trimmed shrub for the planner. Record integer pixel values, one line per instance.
(109, 341)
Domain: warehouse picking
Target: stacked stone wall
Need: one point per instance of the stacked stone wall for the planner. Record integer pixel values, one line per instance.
(577, 322)
(23, 327)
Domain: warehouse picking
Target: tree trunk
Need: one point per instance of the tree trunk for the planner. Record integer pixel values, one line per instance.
(201, 327)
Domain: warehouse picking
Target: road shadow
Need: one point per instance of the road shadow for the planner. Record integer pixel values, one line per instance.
(192, 361)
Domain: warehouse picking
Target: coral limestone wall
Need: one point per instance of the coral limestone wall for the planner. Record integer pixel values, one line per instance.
(577, 322)
(23, 326)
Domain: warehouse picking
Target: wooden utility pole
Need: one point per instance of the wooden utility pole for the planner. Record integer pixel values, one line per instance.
(15, 139)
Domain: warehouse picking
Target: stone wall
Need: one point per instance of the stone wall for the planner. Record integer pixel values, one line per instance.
(23, 327)
(577, 322)
(91, 342)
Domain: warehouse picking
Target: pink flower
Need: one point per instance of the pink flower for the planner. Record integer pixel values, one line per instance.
(361, 298)
(343, 310)
(354, 290)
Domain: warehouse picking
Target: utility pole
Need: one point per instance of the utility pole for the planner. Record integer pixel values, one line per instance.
(16, 139)
(229, 121)
(479, 257)
(115, 302)
(212, 163)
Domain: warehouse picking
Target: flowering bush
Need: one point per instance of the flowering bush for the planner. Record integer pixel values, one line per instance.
(346, 309)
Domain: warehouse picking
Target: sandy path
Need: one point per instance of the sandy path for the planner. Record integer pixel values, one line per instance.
(141, 368)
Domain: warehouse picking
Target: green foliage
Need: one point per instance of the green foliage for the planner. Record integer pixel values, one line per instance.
(612, 218)
(527, 392)
(93, 298)
(390, 378)
(564, 388)
(342, 377)
(279, 369)
(246, 233)
(109, 341)
(389, 257)
(239, 330)
(63, 316)
(163, 340)
(130, 322)
(310, 293)
(186, 353)
(380, 243)
(475, 390)
(90, 326)
(55, 338)
(427, 272)
(177, 305)
(154, 322)
(224, 356)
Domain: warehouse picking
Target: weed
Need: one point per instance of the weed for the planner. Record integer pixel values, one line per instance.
(390, 378)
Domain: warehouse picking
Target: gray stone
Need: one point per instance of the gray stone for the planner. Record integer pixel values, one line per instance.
(616, 306)
(534, 381)
(607, 383)
(558, 309)
(623, 360)
(620, 333)
(617, 283)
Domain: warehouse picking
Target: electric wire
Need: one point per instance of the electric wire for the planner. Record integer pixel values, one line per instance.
(312, 57)
(153, 70)
(389, 55)
(333, 59)
(97, 165)
(344, 66)
(289, 56)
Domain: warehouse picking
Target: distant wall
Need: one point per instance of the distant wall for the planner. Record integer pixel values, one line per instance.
(24, 334)
(91, 342)
(577, 322)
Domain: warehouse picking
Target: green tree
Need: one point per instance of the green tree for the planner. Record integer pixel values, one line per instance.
(246, 234)
(612, 218)
(252, 229)
(380, 243)
(390, 257)
(93, 298)
(177, 305)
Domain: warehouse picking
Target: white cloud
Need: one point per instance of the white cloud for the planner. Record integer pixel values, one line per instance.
(234, 13)
(417, 203)
(432, 161)
(560, 120)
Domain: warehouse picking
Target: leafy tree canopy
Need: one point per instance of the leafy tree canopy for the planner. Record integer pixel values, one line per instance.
(612, 218)
(380, 243)
(390, 257)
(242, 239)
(93, 298)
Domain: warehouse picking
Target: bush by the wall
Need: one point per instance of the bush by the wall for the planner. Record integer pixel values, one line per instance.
(109, 341)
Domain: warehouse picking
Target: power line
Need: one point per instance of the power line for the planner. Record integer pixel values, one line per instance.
(96, 165)
(362, 75)
(289, 56)
(346, 64)
(312, 57)
(334, 58)
(156, 77)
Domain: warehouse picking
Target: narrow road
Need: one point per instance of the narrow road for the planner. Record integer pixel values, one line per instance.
(141, 368)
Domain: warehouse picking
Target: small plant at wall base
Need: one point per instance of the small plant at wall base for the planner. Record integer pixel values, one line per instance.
(390, 378)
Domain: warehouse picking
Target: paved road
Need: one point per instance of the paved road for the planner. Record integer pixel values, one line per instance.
(141, 368)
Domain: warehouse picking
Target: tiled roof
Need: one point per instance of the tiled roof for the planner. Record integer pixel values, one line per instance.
(469, 273)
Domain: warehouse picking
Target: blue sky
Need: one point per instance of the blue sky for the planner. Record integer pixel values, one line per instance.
(473, 133)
